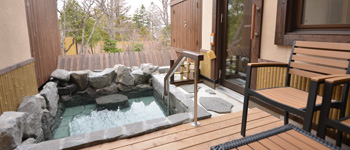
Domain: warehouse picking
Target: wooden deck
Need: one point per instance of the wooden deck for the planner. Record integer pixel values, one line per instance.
(212, 131)
(108, 60)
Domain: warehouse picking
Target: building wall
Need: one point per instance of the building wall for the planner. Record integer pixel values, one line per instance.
(14, 39)
(73, 48)
(16, 84)
(207, 18)
(44, 37)
(268, 49)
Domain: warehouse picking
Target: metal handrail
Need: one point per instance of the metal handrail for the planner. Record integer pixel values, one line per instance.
(196, 57)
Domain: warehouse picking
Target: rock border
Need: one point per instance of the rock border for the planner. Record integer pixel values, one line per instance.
(112, 134)
(71, 87)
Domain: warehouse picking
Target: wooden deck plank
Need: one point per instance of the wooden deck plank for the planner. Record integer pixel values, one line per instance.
(295, 141)
(258, 146)
(284, 144)
(245, 147)
(250, 131)
(306, 140)
(202, 138)
(194, 132)
(269, 144)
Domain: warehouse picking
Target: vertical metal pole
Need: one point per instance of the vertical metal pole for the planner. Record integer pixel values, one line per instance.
(172, 79)
(195, 122)
(168, 95)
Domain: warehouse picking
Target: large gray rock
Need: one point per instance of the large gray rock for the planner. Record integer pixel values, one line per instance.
(61, 74)
(46, 122)
(177, 119)
(125, 88)
(148, 68)
(216, 104)
(210, 91)
(189, 88)
(139, 76)
(164, 69)
(68, 89)
(113, 101)
(80, 78)
(33, 105)
(11, 129)
(135, 68)
(125, 76)
(113, 88)
(88, 94)
(26, 144)
(143, 87)
(101, 79)
(50, 93)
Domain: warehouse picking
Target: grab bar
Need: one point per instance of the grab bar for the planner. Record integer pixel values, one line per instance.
(197, 58)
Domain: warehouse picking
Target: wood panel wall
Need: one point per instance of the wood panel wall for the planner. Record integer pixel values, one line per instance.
(44, 36)
(102, 61)
(186, 24)
(266, 78)
(16, 84)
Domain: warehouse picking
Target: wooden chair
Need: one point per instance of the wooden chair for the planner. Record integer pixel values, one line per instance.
(343, 124)
(315, 60)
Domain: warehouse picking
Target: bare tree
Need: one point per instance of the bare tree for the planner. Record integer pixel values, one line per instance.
(87, 4)
(64, 29)
(164, 11)
(113, 11)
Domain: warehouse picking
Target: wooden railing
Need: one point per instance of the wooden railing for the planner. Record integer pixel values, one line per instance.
(197, 58)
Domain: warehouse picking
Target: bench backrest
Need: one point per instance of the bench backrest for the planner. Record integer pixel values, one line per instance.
(310, 59)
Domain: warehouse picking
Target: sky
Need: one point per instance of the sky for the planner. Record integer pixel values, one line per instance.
(133, 3)
(137, 4)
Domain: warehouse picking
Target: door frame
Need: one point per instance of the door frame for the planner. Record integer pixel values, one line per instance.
(219, 27)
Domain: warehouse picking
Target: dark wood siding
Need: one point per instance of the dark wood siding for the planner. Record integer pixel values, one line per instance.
(186, 24)
(44, 36)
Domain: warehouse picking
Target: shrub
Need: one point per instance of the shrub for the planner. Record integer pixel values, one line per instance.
(137, 47)
(110, 46)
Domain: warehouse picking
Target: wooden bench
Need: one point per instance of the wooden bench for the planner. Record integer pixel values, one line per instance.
(315, 60)
(343, 124)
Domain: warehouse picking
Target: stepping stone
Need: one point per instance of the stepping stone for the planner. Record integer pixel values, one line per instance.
(210, 91)
(190, 95)
(215, 104)
(189, 88)
(113, 101)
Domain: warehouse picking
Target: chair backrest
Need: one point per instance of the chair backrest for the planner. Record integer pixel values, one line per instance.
(310, 59)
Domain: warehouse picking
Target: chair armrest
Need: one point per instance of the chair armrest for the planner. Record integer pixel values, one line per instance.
(324, 77)
(339, 80)
(268, 64)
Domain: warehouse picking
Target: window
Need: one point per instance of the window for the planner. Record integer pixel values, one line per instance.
(312, 20)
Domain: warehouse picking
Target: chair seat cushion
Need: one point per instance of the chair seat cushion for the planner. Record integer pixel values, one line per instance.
(288, 96)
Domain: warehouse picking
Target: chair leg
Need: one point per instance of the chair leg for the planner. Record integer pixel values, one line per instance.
(310, 106)
(286, 117)
(326, 102)
(342, 112)
(245, 113)
(339, 138)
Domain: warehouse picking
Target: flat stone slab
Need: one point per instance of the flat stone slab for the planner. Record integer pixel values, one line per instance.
(210, 91)
(189, 88)
(216, 104)
(113, 101)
